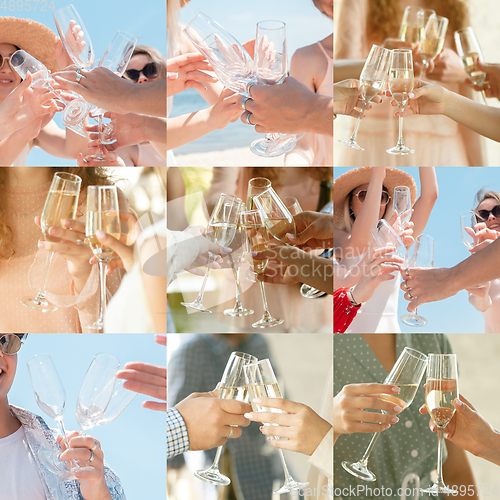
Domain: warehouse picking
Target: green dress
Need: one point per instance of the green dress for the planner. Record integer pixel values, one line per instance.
(408, 449)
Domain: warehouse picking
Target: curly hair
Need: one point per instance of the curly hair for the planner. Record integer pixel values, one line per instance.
(91, 176)
(384, 16)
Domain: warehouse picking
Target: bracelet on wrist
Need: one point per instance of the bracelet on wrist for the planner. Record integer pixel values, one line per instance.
(351, 298)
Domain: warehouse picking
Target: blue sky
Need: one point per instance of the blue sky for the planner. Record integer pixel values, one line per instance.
(145, 20)
(457, 189)
(133, 444)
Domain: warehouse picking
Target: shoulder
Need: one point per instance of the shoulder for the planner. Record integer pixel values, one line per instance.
(308, 65)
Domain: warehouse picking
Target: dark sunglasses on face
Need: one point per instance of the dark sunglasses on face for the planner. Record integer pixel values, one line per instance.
(3, 59)
(384, 198)
(10, 343)
(485, 214)
(149, 71)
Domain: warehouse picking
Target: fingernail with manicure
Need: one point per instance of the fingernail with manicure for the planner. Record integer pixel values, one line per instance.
(396, 389)
(394, 420)
(248, 415)
(41, 244)
(398, 409)
(100, 234)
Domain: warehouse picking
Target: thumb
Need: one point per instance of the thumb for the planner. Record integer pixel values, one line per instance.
(299, 239)
(123, 251)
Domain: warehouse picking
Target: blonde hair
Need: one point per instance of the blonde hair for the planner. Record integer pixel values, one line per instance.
(156, 56)
(384, 16)
(482, 195)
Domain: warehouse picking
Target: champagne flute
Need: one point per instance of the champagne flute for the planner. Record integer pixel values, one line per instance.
(412, 26)
(441, 390)
(385, 235)
(401, 84)
(373, 78)
(262, 383)
(423, 256)
(401, 204)
(253, 223)
(51, 398)
(406, 374)
(468, 220)
(435, 35)
(61, 204)
(232, 386)
(221, 229)
(103, 213)
(470, 52)
(277, 218)
(256, 186)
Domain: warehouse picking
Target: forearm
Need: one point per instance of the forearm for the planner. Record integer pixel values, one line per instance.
(319, 118)
(316, 271)
(427, 199)
(148, 98)
(345, 69)
(156, 131)
(11, 148)
(187, 128)
(491, 450)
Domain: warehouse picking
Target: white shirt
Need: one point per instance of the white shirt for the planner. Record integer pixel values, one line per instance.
(20, 477)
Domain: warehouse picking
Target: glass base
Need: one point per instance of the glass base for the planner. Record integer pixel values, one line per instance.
(400, 149)
(267, 322)
(98, 325)
(75, 113)
(291, 485)
(212, 476)
(38, 304)
(413, 320)
(238, 311)
(436, 489)
(359, 470)
(270, 149)
(309, 292)
(352, 144)
(53, 464)
(198, 306)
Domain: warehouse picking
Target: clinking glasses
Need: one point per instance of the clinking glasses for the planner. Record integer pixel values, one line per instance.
(485, 214)
(149, 71)
(10, 343)
(384, 197)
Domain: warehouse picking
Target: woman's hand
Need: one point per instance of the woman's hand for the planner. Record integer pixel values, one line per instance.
(482, 236)
(448, 68)
(425, 100)
(94, 147)
(68, 242)
(349, 406)
(188, 72)
(347, 98)
(313, 230)
(302, 427)
(226, 109)
(491, 85)
(92, 483)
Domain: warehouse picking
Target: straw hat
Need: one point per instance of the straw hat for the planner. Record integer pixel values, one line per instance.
(344, 184)
(35, 38)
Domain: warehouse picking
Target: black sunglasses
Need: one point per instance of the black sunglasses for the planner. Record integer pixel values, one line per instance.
(10, 343)
(149, 71)
(485, 214)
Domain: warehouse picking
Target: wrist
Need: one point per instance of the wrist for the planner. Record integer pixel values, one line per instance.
(320, 113)
(351, 298)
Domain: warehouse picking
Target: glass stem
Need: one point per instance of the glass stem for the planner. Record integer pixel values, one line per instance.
(264, 298)
(400, 138)
(288, 477)
(102, 280)
(483, 93)
(215, 465)
(368, 451)
(41, 293)
(99, 128)
(211, 258)
(237, 282)
(439, 478)
(414, 313)
(59, 421)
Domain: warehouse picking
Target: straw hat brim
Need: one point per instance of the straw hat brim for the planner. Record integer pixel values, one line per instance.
(35, 38)
(344, 184)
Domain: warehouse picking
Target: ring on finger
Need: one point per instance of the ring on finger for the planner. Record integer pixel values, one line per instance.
(247, 118)
(411, 297)
(243, 103)
(249, 87)
(78, 75)
(96, 445)
(91, 459)
(406, 286)
(231, 433)
(407, 272)
(80, 241)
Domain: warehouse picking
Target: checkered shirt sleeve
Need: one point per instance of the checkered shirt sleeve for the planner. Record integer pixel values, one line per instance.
(177, 435)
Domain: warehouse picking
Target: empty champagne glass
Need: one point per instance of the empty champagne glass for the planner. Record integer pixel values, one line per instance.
(401, 204)
(423, 256)
(385, 235)
(372, 79)
(232, 386)
(51, 398)
(292, 205)
(401, 83)
(256, 186)
(470, 52)
(253, 223)
(103, 213)
(221, 229)
(434, 37)
(61, 204)
(467, 222)
(412, 26)
(406, 374)
(277, 218)
(441, 390)
(262, 383)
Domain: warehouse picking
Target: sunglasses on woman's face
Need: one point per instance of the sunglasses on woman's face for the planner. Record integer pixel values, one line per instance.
(384, 198)
(10, 343)
(149, 71)
(3, 59)
(485, 214)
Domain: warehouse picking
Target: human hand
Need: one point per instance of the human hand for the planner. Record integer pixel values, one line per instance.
(188, 72)
(313, 230)
(62, 57)
(426, 100)
(349, 406)
(347, 98)
(405, 234)
(491, 85)
(92, 482)
(303, 428)
(225, 109)
(209, 420)
(75, 38)
(482, 236)
(448, 68)
(94, 147)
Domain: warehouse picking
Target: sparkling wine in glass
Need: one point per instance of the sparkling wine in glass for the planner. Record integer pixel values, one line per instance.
(470, 52)
(401, 204)
(441, 390)
(232, 386)
(221, 230)
(256, 186)
(372, 79)
(401, 83)
(254, 224)
(467, 222)
(412, 26)
(405, 374)
(61, 204)
(262, 383)
(433, 43)
(423, 257)
(103, 213)
(51, 398)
